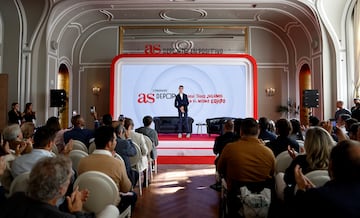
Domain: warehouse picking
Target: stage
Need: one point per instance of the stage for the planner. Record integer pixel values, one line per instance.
(198, 149)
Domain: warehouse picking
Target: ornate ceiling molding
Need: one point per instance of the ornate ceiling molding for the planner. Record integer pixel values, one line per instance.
(183, 46)
(175, 15)
(178, 31)
(108, 14)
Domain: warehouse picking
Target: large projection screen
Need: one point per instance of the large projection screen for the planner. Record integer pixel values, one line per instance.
(216, 85)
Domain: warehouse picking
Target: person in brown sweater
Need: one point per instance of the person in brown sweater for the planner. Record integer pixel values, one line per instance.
(246, 162)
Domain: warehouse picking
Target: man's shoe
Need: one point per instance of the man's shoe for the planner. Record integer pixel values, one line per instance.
(188, 135)
(179, 135)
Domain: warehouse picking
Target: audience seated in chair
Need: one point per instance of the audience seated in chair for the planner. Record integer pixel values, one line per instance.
(219, 144)
(54, 125)
(245, 161)
(337, 198)
(318, 144)
(78, 132)
(265, 133)
(348, 123)
(48, 182)
(296, 131)
(13, 135)
(280, 144)
(126, 149)
(227, 137)
(102, 160)
(151, 133)
(43, 142)
(27, 129)
(139, 140)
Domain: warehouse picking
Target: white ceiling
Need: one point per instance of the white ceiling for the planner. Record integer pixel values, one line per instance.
(278, 15)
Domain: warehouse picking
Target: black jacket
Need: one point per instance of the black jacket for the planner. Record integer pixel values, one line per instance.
(21, 206)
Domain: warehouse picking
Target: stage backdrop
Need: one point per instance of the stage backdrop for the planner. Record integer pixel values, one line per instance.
(216, 85)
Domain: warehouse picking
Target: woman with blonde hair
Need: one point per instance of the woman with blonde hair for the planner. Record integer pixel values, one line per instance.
(28, 130)
(318, 144)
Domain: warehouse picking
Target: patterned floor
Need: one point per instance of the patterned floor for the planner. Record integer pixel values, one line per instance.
(179, 191)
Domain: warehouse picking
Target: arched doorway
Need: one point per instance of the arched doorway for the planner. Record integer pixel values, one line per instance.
(63, 83)
(304, 84)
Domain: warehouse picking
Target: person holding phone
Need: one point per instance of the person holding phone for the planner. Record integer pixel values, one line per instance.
(181, 103)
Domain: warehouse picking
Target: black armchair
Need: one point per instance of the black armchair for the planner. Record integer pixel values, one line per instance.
(169, 124)
(216, 125)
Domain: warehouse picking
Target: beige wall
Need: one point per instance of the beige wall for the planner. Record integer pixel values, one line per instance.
(4, 108)
(94, 77)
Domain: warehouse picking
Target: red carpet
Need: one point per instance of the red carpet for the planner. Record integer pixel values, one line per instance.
(186, 159)
(198, 149)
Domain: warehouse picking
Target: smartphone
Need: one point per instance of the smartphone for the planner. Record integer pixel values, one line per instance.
(92, 109)
(333, 124)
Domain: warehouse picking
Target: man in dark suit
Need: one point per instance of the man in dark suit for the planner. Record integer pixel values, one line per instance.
(181, 103)
(126, 149)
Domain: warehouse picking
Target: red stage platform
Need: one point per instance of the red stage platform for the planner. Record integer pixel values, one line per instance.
(198, 149)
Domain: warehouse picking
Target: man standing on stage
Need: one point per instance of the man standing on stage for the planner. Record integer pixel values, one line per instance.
(181, 103)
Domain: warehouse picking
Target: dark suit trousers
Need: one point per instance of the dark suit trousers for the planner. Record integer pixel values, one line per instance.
(183, 121)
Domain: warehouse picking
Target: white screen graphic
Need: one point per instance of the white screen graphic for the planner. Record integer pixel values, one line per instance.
(216, 87)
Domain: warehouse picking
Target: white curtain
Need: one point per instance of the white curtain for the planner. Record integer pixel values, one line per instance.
(357, 48)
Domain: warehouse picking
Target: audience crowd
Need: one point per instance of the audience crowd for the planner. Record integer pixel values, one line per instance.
(44, 152)
(330, 146)
(246, 156)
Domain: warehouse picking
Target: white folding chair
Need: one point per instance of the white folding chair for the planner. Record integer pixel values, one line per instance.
(137, 163)
(103, 192)
(78, 145)
(20, 183)
(75, 156)
(92, 147)
(152, 162)
(280, 185)
(318, 177)
(282, 162)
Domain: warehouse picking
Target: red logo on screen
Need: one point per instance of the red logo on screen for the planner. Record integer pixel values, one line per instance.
(152, 49)
(146, 98)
